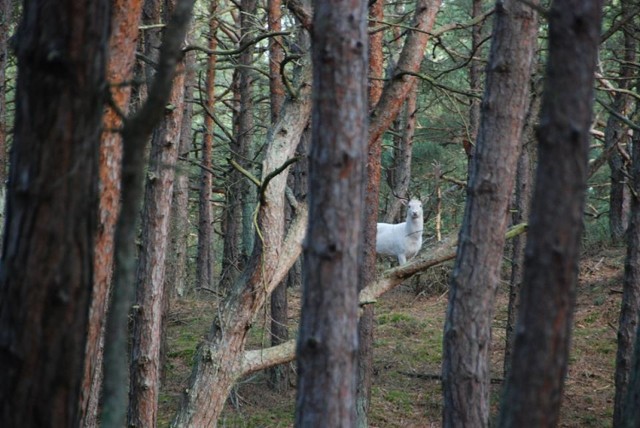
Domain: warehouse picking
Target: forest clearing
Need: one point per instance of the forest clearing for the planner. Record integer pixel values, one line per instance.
(408, 352)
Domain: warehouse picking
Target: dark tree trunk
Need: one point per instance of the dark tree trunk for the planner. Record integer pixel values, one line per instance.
(52, 211)
(327, 344)
(122, 46)
(630, 306)
(534, 387)
(467, 332)
(615, 133)
(206, 256)
(475, 79)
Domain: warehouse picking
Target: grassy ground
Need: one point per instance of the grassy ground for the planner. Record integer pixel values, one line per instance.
(408, 350)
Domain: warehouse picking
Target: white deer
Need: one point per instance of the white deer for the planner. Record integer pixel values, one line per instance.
(402, 240)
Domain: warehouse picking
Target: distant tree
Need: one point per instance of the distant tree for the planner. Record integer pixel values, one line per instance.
(47, 264)
(206, 256)
(616, 132)
(534, 387)
(473, 285)
(327, 343)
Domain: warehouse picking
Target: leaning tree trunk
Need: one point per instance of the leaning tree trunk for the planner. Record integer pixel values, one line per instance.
(279, 376)
(52, 211)
(327, 344)
(534, 387)
(217, 361)
(122, 47)
(467, 331)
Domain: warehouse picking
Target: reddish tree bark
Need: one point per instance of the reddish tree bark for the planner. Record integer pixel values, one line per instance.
(122, 46)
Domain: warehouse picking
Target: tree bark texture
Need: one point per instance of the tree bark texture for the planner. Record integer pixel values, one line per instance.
(534, 387)
(206, 256)
(616, 133)
(367, 268)
(467, 330)
(135, 133)
(47, 262)
(217, 361)
(327, 343)
(396, 90)
(122, 45)
(176, 272)
(149, 309)
(402, 155)
(246, 124)
(6, 16)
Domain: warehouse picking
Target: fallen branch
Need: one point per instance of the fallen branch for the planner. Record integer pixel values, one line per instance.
(260, 359)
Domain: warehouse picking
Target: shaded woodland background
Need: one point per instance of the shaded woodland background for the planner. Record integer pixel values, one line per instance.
(165, 160)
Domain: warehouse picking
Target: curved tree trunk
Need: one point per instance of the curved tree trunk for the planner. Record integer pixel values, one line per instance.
(535, 384)
(467, 331)
(217, 363)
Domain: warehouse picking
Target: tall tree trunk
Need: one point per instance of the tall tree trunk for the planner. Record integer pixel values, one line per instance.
(534, 387)
(217, 363)
(475, 80)
(280, 375)
(176, 272)
(629, 322)
(150, 306)
(248, 9)
(135, 134)
(206, 256)
(616, 132)
(467, 331)
(122, 46)
(52, 217)
(231, 261)
(630, 305)
(367, 268)
(403, 154)
(327, 344)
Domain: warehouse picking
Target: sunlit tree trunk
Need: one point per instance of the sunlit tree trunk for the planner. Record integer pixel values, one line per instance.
(534, 388)
(48, 260)
(467, 331)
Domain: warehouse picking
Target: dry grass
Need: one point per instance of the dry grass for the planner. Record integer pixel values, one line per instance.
(408, 349)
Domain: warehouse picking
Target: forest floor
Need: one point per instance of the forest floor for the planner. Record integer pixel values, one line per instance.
(408, 351)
